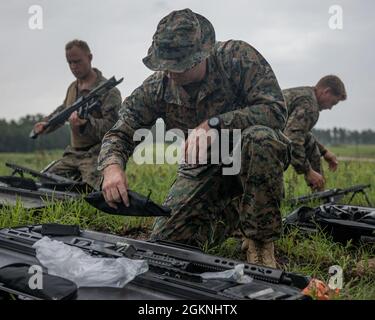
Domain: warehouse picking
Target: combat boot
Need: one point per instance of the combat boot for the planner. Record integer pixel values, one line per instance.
(260, 253)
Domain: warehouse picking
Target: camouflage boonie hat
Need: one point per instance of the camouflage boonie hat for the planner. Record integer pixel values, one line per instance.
(181, 41)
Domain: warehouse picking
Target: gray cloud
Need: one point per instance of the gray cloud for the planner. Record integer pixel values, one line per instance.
(293, 36)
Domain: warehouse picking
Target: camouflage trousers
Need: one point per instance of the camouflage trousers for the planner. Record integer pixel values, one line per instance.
(207, 206)
(79, 165)
(313, 153)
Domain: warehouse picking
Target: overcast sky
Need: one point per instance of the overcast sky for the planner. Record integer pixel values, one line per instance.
(293, 35)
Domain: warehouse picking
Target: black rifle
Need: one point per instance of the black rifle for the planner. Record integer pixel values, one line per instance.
(342, 222)
(45, 177)
(19, 182)
(84, 105)
(174, 269)
(333, 195)
(31, 198)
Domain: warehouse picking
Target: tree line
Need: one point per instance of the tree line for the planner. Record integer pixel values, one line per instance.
(14, 136)
(340, 136)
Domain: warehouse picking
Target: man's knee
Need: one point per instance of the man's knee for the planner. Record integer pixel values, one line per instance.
(258, 134)
(261, 146)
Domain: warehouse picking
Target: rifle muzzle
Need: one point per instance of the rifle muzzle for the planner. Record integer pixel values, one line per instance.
(33, 134)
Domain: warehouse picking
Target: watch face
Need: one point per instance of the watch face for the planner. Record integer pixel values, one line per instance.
(214, 122)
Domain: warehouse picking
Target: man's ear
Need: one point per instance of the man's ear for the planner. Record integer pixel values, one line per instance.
(327, 90)
(90, 56)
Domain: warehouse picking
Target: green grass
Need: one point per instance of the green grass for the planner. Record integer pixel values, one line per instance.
(295, 252)
(359, 151)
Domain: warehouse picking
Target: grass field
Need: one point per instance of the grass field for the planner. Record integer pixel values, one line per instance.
(311, 256)
(360, 151)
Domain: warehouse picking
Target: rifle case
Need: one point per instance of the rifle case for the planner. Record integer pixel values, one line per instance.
(174, 269)
(342, 222)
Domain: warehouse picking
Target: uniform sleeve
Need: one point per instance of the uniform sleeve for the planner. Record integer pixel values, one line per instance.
(97, 127)
(260, 98)
(137, 111)
(299, 124)
(322, 149)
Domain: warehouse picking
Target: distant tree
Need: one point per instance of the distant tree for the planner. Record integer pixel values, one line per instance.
(337, 136)
(14, 136)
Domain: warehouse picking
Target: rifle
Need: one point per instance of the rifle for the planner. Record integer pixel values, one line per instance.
(174, 269)
(84, 105)
(32, 199)
(343, 222)
(47, 177)
(333, 195)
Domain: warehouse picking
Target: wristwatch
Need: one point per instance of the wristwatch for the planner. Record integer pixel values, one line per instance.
(214, 123)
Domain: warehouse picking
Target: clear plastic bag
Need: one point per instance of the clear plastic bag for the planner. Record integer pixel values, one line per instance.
(234, 275)
(86, 271)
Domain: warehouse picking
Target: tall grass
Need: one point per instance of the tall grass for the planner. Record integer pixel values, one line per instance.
(311, 255)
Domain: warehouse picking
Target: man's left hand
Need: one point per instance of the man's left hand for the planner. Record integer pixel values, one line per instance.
(75, 121)
(332, 160)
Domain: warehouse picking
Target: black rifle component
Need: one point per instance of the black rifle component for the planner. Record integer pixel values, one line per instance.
(342, 222)
(174, 270)
(84, 105)
(19, 182)
(46, 180)
(32, 199)
(139, 205)
(332, 195)
(44, 177)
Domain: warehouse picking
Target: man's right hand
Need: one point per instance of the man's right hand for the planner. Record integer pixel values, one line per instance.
(115, 186)
(40, 127)
(315, 180)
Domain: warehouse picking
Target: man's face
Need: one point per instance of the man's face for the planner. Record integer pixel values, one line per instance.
(327, 99)
(79, 62)
(194, 74)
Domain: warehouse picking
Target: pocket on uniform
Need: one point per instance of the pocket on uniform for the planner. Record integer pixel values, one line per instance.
(288, 152)
(197, 171)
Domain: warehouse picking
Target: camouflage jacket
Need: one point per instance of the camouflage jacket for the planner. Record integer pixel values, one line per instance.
(303, 114)
(99, 122)
(239, 87)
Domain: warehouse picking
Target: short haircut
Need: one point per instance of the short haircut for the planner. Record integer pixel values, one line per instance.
(78, 43)
(335, 84)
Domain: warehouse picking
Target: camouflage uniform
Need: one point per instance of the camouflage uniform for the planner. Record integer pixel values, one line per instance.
(241, 89)
(80, 158)
(303, 110)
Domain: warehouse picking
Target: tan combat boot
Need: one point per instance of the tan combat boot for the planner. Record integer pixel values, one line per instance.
(260, 253)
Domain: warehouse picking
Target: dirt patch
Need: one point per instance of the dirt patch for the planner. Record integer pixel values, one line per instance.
(139, 233)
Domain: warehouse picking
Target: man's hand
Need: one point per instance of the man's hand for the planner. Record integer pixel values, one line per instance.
(193, 154)
(115, 186)
(315, 180)
(332, 160)
(75, 121)
(40, 127)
